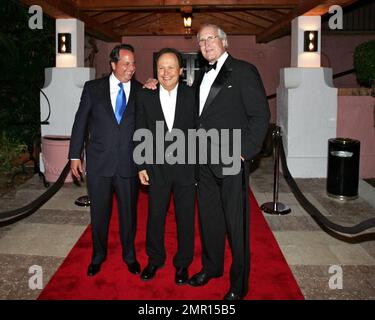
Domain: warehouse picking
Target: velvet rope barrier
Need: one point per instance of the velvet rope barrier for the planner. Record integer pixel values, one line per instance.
(9, 217)
(312, 210)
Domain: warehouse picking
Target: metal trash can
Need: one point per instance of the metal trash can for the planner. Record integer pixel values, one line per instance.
(343, 168)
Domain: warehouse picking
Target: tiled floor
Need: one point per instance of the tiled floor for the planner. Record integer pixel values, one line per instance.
(316, 258)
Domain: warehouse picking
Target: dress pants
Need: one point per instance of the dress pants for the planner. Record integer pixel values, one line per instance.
(184, 202)
(224, 210)
(100, 191)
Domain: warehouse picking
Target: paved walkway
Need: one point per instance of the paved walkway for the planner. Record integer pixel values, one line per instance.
(46, 237)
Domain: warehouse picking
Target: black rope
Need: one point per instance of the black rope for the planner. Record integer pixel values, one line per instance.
(49, 108)
(314, 212)
(9, 217)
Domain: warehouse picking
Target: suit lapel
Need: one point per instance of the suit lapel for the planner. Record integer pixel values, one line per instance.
(157, 109)
(218, 84)
(107, 101)
(197, 91)
(131, 98)
(179, 106)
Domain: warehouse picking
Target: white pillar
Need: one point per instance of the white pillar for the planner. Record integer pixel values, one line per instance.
(63, 84)
(306, 105)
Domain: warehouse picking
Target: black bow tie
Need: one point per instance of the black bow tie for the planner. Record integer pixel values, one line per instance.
(208, 67)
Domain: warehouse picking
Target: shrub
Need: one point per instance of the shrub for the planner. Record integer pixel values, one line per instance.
(364, 63)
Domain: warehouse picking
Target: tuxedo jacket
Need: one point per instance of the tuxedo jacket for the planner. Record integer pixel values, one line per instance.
(148, 111)
(109, 145)
(237, 100)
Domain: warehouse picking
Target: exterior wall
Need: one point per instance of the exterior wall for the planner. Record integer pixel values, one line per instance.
(269, 58)
(355, 119)
(337, 53)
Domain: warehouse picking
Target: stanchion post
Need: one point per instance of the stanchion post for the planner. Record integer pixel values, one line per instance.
(276, 207)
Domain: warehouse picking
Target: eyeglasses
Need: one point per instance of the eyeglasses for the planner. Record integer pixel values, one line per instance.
(208, 40)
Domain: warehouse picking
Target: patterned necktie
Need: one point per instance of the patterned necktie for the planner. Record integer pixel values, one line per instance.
(120, 103)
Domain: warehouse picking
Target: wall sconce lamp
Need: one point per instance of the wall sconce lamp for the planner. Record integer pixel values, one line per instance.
(64, 42)
(188, 20)
(310, 41)
(187, 15)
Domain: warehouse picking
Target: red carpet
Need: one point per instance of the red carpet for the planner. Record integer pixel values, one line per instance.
(270, 276)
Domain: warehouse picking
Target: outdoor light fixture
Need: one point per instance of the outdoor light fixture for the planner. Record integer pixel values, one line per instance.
(188, 20)
(64, 42)
(187, 15)
(311, 41)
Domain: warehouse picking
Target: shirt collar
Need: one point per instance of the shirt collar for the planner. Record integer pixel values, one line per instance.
(114, 81)
(171, 93)
(221, 60)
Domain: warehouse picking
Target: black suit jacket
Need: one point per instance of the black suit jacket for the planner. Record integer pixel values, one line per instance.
(109, 145)
(148, 111)
(237, 100)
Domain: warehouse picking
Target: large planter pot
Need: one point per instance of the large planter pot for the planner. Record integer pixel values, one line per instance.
(55, 151)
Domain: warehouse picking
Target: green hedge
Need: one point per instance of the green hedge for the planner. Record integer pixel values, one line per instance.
(364, 63)
(25, 53)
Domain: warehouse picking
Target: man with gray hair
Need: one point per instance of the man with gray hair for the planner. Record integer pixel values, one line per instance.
(231, 96)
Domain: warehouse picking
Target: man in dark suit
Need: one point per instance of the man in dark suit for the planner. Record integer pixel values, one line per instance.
(106, 118)
(231, 96)
(173, 104)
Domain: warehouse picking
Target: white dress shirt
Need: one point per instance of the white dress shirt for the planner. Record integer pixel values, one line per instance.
(114, 89)
(208, 79)
(168, 104)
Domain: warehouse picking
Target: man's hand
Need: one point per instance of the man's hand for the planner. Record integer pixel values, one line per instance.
(143, 177)
(151, 84)
(76, 167)
(242, 158)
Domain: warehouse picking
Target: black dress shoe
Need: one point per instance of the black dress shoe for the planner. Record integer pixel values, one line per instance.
(149, 272)
(93, 269)
(134, 267)
(231, 296)
(182, 276)
(201, 279)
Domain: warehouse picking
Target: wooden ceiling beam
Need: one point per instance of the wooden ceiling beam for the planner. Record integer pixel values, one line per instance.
(323, 8)
(93, 14)
(221, 16)
(239, 17)
(149, 22)
(253, 19)
(108, 17)
(126, 4)
(282, 26)
(133, 19)
(305, 7)
(260, 14)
